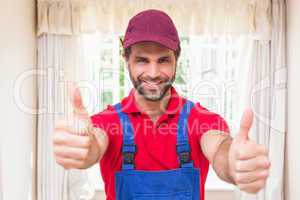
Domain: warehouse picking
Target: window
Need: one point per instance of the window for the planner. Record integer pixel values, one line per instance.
(206, 73)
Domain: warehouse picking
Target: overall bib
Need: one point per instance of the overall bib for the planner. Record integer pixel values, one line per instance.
(176, 184)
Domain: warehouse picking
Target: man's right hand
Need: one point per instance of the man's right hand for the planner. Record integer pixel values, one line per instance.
(76, 143)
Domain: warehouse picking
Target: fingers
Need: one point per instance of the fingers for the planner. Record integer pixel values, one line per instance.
(74, 153)
(253, 187)
(257, 163)
(245, 125)
(249, 161)
(74, 143)
(68, 163)
(252, 176)
(249, 165)
(64, 138)
(78, 126)
(70, 150)
(250, 150)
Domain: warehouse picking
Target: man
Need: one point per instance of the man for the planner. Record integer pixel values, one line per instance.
(155, 144)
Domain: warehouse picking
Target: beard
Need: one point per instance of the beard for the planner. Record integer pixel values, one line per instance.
(152, 89)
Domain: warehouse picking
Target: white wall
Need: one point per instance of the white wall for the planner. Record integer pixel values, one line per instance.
(17, 54)
(292, 191)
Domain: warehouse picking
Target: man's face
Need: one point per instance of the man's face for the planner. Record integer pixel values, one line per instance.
(152, 69)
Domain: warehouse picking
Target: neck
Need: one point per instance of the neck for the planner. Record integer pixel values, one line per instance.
(153, 108)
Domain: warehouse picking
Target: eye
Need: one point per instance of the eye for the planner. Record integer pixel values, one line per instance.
(141, 60)
(164, 60)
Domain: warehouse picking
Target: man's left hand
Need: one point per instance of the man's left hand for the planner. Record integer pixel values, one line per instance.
(248, 161)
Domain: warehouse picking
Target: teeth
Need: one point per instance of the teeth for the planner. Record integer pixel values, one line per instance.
(151, 83)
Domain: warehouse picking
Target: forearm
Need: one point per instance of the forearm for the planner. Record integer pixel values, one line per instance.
(220, 162)
(239, 161)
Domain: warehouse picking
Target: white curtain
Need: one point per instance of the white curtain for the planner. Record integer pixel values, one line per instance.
(265, 87)
(213, 17)
(59, 60)
(262, 72)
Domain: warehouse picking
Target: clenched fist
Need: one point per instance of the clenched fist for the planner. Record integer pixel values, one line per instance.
(76, 143)
(248, 161)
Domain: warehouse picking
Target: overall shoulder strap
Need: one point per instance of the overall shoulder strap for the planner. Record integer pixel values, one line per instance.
(129, 147)
(183, 147)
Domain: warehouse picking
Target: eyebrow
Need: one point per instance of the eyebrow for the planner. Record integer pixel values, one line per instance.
(164, 57)
(141, 58)
(145, 58)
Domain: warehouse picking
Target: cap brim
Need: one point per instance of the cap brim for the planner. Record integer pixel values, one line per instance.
(151, 38)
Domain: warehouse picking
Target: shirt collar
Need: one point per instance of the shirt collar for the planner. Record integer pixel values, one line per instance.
(174, 105)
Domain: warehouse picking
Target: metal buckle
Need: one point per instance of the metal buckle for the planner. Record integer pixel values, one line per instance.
(128, 158)
(184, 157)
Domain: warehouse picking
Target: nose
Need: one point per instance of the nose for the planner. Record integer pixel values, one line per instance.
(153, 70)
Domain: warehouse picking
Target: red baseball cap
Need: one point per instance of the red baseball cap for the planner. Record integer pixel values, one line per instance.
(152, 25)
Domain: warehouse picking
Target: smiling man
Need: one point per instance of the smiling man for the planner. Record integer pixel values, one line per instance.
(155, 144)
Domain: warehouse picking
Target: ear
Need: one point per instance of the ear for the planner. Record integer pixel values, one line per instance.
(124, 57)
(123, 52)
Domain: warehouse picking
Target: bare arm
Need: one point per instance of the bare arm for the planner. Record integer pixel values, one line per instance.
(239, 161)
(76, 143)
(215, 146)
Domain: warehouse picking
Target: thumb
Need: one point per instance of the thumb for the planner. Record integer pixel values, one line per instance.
(245, 125)
(76, 99)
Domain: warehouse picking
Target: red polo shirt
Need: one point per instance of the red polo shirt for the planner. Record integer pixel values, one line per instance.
(156, 143)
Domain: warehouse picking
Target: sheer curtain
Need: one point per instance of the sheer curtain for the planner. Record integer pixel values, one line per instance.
(260, 79)
(60, 59)
(213, 17)
(264, 88)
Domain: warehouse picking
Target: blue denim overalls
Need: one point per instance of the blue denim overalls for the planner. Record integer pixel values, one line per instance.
(177, 184)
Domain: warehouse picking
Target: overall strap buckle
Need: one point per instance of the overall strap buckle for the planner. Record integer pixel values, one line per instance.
(129, 147)
(128, 153)
(183, 147)
(183, 152)
(184, 158)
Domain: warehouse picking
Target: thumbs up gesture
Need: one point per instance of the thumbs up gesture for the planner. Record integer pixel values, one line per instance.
(248, 161)
(76, 143)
